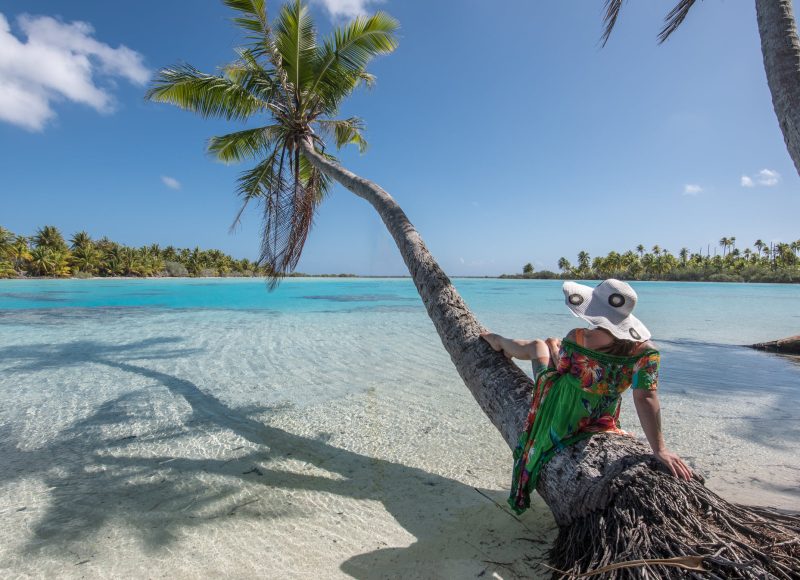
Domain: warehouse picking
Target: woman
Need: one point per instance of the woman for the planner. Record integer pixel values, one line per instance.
(579, 382)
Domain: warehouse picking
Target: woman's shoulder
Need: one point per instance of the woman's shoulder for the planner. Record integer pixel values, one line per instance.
(597, 340)
(647, 345)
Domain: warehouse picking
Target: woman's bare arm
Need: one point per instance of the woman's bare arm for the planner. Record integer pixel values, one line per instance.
(648, 408)
(511, 347)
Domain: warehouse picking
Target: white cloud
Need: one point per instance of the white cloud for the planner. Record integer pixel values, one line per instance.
(765, 178)
(58, 61)
(347, 8)
(768, 177)
(170, 182)
(692, 189)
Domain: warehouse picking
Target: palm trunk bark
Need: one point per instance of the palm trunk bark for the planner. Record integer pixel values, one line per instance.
(500, 388)
(780, 48)
(608, 495)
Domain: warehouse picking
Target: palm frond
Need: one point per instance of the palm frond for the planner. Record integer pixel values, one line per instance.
(248, 72)
(208, 95)
(612, 8)
(314, 179)
(344, 132)
(363, 39)
(345, 55)
(255, 183)
(368, 79)
(254, 14)
(674, 19)
(296, 41)
(288, 212)
(245, 144)
(289, 190)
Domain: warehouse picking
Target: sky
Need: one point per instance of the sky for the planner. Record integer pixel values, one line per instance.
(505, 131)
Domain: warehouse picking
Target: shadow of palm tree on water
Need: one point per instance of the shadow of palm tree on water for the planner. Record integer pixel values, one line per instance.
(138, 480)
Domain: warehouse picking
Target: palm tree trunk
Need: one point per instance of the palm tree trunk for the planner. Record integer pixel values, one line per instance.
(780, 48)
(604, 492)
(501, 389)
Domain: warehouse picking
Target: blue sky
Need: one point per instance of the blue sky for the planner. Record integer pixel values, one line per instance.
(508, 135)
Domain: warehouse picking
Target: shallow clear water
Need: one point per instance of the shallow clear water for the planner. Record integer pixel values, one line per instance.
(152, 427)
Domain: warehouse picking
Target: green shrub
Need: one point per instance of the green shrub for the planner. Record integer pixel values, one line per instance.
(175, 269)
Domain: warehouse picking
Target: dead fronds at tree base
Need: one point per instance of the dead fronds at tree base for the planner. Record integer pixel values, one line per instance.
(660, 517)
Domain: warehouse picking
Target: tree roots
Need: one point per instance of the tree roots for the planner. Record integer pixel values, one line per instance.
(657, 516)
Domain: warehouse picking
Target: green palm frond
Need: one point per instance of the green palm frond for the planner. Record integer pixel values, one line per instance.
(208, 95)
(314, 180)
(257, 182)
(247, 144)
(253, 15)
(345, 55)
(80, 240)
(249, 73)
(296, 41)
(345, 132)
(674, 19)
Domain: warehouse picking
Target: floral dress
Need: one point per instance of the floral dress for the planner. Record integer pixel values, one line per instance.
(578, 398)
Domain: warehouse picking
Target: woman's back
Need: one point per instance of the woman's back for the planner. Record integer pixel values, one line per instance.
(577, 395)
(596, 362)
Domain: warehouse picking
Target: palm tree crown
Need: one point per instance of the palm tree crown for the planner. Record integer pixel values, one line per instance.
(298, 83)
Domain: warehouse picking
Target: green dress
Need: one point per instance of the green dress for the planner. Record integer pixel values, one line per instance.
(578, 397)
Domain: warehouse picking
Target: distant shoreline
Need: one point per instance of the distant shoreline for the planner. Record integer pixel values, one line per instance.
(716, 278)
(390, 277)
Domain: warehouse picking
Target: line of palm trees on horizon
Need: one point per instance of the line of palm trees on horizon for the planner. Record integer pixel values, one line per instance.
(47, 253)
(775, 261)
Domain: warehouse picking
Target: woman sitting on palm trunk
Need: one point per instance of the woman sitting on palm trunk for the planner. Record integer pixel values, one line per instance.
(579, 381)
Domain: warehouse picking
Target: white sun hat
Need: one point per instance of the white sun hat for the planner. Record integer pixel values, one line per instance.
(609, 305)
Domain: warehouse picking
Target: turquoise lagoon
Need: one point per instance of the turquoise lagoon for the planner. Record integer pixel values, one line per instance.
(210, 427)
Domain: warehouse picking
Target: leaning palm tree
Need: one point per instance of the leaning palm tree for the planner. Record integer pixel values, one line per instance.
(285, 76)
(297, 84)
(780, 48)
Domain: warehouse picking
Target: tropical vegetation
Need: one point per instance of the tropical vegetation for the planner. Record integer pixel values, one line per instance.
(773, 262)
(47, 253)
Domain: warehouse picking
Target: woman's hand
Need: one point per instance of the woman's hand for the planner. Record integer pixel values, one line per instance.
(674, 463)
(496, 342)
(554, 346)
